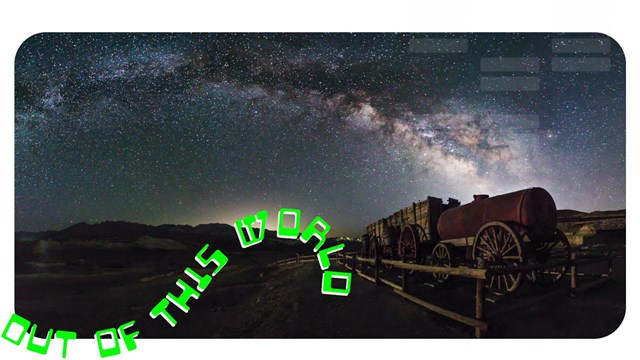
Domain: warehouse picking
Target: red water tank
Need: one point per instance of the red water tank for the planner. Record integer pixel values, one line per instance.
(532, 209)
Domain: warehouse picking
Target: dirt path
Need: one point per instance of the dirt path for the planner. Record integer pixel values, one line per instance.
(249, 299)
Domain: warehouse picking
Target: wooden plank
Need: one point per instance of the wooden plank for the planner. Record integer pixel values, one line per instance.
(365, 276)
(590, 275)
(354, 263)
(479, 305)
(480, 273)
(517, 269)
(314, 259)
(551, 264)
(302, 259)
(587, 218)
(592, 260)
(455, 271)
(366, 260)
(308, 261)
(572, 286)
(461, 242)
(478, 324)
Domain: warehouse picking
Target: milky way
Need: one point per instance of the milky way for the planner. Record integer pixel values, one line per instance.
(201, 128)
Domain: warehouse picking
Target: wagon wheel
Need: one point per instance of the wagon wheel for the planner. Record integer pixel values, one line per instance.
(499, 246)
(373, 247)
(555, 250)
(364, 248)
(442, 255)
(409, 243)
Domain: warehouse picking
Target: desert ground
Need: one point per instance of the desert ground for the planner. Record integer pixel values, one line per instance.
(85, 285)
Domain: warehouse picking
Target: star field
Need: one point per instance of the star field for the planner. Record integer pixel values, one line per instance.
(201, 128)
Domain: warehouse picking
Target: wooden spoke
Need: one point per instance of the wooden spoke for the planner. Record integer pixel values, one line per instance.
(505, 282)
(509, 249)
(499, 245)
(412, 244)
(442, 255)
(555, 249)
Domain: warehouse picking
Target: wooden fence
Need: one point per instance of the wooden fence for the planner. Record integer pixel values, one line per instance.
(351, 261)
(301, 259)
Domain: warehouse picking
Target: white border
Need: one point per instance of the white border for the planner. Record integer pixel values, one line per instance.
(614, 18)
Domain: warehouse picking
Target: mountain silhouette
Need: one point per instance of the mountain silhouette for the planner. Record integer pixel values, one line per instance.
(125, 230)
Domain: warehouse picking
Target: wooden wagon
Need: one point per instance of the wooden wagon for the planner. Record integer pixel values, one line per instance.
(512, 229)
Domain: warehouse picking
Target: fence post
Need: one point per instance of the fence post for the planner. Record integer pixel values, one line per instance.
(297, 258)
(353, 268)
(479, 304)
(572, 291)
(610, 266)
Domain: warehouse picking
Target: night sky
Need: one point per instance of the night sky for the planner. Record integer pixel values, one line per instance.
(202, 128)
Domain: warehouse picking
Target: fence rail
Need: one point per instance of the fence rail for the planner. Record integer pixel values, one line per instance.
(301, 259)
(351, 261)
